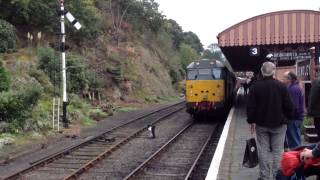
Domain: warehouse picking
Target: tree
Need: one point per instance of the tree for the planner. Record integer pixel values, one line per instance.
(118, 10)
(213, 52)
(176, 32)
(39, 14)
(187, 55)
(152, 15)
(89, 17)
(193, 40)
(4, 79)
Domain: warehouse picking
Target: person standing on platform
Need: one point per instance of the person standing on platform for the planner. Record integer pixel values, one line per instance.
(268, 110)
(314, 104)
(293, 130)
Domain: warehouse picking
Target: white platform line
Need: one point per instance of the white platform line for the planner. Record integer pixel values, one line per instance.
(215, 163)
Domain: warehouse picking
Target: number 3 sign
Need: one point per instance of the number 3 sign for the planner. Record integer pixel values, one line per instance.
(254, 51)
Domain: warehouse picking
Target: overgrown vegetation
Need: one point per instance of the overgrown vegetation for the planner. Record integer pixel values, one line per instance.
(121, 41)
(4, 79)
(80, 77)
(16, 107)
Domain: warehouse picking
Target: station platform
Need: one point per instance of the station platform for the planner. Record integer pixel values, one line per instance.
(227, 161)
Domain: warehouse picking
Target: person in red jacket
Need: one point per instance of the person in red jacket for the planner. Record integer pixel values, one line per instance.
(310, 153)
(307, 154)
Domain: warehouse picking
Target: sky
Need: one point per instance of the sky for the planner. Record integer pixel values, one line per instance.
(207, 18)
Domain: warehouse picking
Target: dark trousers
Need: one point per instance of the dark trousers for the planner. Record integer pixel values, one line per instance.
(316, 121)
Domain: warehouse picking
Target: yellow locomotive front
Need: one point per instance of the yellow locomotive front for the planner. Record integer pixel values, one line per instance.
(205, 87)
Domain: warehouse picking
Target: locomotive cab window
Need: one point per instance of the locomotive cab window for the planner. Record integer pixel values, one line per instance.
(204, 74)
(217, 73)
(192, 74)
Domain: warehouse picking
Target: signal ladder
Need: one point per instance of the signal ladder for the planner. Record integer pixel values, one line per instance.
(56, 114)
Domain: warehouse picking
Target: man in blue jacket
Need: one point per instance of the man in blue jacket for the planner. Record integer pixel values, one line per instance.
(268, 110)
(293, 133)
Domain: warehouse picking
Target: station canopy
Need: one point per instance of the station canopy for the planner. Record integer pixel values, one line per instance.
(284, 37)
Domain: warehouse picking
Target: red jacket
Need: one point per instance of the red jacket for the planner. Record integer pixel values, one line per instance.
(291, 162)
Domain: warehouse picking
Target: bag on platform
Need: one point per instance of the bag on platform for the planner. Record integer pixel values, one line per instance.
(250, 159)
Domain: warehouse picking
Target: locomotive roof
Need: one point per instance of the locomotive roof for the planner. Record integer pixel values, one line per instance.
(205, 63)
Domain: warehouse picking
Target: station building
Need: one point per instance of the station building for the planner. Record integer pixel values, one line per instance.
(290, 39)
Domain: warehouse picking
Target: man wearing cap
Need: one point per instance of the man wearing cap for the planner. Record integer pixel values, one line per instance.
(269, 109)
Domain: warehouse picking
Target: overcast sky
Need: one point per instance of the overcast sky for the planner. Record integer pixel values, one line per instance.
(207, 18)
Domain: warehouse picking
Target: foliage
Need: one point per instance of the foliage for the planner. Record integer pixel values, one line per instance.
(213, 52)
(76, 74)
(81, 111)
(126, 109)
(174, 76)
(4, 79)
(187, 55)
(152, 16)
(7, 36)
(41, 116)
(176, 32)
(43, 79)
(89, 17)
(42, 15)
(35, 13)
(79, 76)
(97, 114)
(95, 83)
(50, 64)
(15, 107)
(193, 40)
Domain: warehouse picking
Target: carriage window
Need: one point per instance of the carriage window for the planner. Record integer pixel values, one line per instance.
(217, 72)
(192, 74)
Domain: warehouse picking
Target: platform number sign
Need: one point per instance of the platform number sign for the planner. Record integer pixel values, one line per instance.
(254, 51)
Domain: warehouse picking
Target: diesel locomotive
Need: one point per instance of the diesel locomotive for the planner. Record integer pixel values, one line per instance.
(210, 88)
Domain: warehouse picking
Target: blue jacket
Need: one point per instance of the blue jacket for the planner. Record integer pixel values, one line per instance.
(298, 100)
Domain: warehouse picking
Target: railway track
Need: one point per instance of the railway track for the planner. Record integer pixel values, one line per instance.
(179, 157)
(72, 162)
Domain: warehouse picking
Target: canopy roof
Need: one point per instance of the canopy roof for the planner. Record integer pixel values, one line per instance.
(277, 30)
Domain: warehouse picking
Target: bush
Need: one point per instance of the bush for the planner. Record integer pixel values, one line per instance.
(49, 63)
(79, 77)
(41, 116)
(174, 76)
(16, 107)
(97, 114)
(76, 74)
(7, 36)
(4, 79)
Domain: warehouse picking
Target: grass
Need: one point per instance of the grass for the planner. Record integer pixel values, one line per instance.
(88, 122)
(168, 98)
(126, 109)
(9, 139)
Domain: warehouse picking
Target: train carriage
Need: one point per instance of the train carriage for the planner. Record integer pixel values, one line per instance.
(210, 88)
